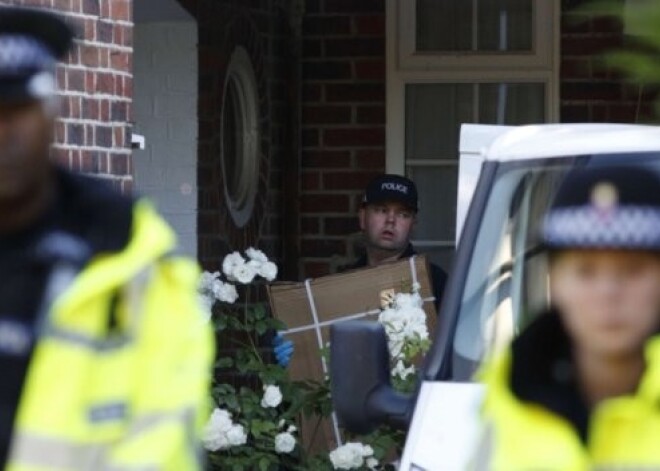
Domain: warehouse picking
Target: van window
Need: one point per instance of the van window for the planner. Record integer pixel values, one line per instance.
(507, 282)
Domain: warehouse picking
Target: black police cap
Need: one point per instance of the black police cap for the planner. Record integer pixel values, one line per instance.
(616, 207)
(31, 43)
(392, 188)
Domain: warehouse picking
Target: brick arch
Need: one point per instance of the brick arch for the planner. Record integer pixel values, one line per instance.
(222, 29)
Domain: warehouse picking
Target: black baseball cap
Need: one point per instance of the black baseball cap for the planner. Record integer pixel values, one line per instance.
(31, 43)
(615, 207)
(392, 188)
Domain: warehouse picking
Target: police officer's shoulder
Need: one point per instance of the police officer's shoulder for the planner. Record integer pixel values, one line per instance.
(95, 211)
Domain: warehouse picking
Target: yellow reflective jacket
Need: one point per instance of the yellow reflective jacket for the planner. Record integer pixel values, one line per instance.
(135, 396)
(533, 415)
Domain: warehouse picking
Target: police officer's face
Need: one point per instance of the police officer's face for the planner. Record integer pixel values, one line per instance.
(609, 300)
(387, 226)
(25, 134)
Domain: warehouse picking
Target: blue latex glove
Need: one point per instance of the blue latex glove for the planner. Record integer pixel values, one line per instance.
(283, 350)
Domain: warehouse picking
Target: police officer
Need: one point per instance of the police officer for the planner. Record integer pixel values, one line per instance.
(579, 388)
(387, 217)
(105, 364)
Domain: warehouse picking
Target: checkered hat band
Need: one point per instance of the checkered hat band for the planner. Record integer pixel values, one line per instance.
(19, 53)
(625, 227)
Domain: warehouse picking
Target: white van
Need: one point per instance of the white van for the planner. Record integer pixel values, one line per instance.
(498, 284)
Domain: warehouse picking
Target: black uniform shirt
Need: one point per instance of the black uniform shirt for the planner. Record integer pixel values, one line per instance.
(22, 281)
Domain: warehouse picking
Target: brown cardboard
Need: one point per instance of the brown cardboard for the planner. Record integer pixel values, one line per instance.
(339, 298)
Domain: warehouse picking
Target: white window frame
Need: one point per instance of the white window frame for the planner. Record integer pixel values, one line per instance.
(405, 67)
(410, 59)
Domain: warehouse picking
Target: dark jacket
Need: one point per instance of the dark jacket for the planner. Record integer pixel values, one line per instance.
(438, 275)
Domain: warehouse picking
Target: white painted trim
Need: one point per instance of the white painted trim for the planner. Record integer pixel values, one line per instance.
(485, 70)
(411, 59)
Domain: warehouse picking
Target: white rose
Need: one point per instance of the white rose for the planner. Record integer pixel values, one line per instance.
(349, 456)
(268, 270)
(367, 450)
(416, 287)
(284, 442)
(371, 463)
(272, 396)
(226, 292)
(292, 429)
(236, 435)
(244, 274)
(219, 424)
(405, 301)
(402, 371)
(256, 255)
(231, 263)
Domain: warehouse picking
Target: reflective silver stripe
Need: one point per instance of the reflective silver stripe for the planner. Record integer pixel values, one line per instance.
(55, 454)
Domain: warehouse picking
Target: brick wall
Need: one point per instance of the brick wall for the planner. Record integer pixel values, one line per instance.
(589, 91)
(343, 125)
(93, 133)
(261, 27)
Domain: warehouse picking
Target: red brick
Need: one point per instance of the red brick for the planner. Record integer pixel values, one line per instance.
(311, 181)
(310, 226)
(310, 138)
(326, 159)
(90, 56)
(76, 80)
(323, 203)
(580, 46)
(346, 180)
(322, 247)
(119, 164)
(371, 114)
(607, 24)
(105, 83)
(355, 6)
(326, 25)
(370, 69)
(356, 92)
(311, 92)
(370, 24)
(91, 7)
(573, 23)
(316, 269)
(358, 137)
(120, 10)
(370, 159)
(590, 91)
(121, 61)
(575, 68)
(340, 226)
(574, 114)
(326, 70)
(622, 113)
(326, 114)
(355, 47)
(311, 48)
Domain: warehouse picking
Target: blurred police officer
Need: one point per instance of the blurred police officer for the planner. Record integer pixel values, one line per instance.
(104, 361)
(387, 217)
(580, 388)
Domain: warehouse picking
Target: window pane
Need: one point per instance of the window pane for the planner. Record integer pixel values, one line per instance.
(444, 25)
(437, 187)
(434, 113)
(512, 103)
(474, 25)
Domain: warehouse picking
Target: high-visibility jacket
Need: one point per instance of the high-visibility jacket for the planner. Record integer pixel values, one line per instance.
(622, 433)
(135, 397)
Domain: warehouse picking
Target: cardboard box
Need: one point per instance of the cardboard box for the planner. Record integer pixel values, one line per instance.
(309, 308)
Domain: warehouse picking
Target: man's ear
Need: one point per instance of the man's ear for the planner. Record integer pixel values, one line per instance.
(362, 217)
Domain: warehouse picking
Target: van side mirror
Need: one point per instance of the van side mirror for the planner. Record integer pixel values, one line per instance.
(362, 395)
